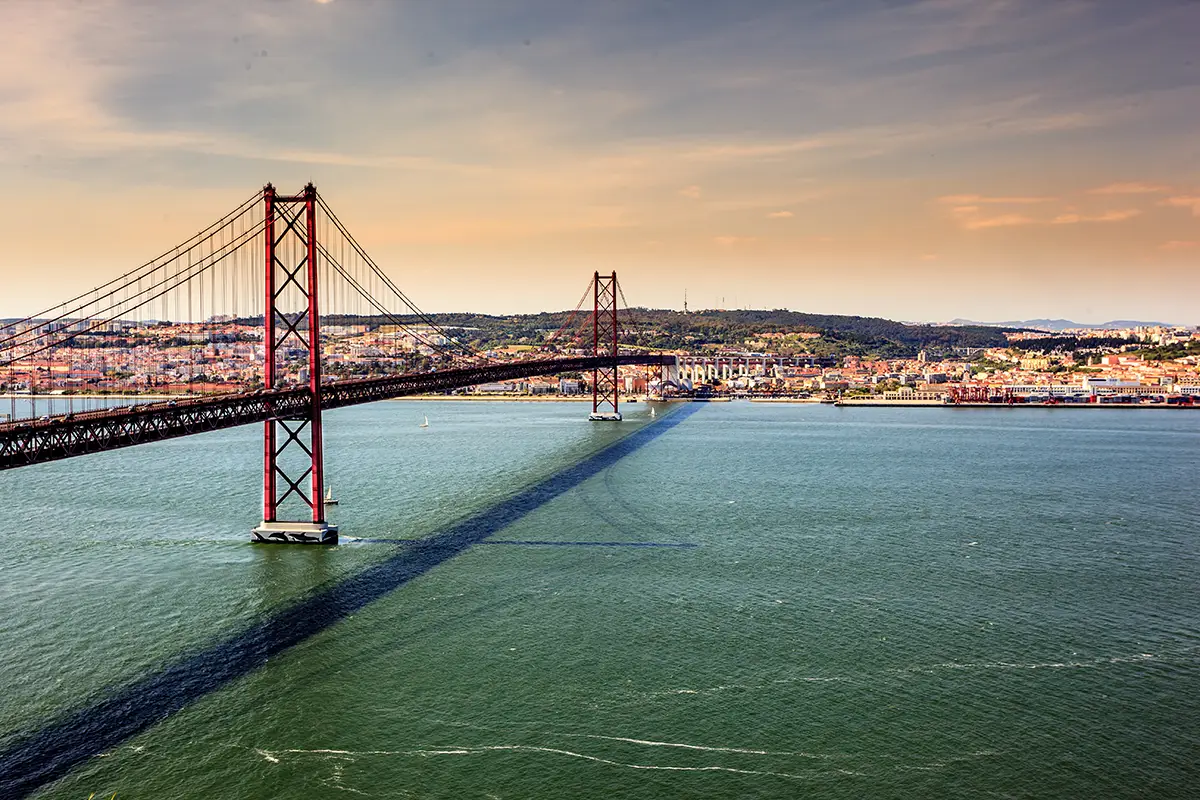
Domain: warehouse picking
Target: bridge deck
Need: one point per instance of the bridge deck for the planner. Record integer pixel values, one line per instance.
(34, 442)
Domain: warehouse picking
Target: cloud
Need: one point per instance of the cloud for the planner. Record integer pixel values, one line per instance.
(691, 191)
(730, 241)
(963, 199)
(753, 150)
(780, 215)
(968, 217)
(1002, 221)
(1178, 245)
(1131, 187)
(1107, 216)
(1184, 201)
(970, 210)
(929, 257)
(761, 196)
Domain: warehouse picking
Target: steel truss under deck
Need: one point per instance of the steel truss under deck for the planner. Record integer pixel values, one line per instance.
(64, 436)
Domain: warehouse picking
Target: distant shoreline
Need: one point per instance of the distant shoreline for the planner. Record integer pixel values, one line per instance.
(931, 404)
(102, 396)
(473, 398)
(454, 397)
(521, 398)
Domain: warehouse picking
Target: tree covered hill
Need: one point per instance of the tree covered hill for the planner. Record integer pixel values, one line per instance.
(706, 330)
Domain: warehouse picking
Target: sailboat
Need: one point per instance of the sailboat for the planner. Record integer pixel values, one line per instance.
(424, 424)
(653, 414)
(329, 499)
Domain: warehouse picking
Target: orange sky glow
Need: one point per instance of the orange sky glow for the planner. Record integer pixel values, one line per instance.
(923, 160)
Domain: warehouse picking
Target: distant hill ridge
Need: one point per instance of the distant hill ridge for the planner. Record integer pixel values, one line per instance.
(840, 334)
(1062, 324)
(668, 329)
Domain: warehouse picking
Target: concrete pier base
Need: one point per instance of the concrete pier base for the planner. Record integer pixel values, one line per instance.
(296, 533)
(604, 416)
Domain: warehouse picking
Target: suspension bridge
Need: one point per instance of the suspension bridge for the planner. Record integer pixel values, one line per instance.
(257, 291)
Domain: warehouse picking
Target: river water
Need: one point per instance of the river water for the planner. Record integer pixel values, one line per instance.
(730, 600)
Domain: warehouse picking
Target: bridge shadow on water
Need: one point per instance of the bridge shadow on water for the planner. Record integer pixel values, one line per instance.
(546, 543)
(42, 756)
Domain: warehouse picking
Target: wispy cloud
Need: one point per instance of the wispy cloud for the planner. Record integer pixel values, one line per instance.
(970, 211)
(1177, 244)
(742, 151)
(1107, 216)
(1184, 201)
(1132, 187)
(1002, 221)
(965, 199)
(780, 215)
(971, 218)
(730, 241)
(692, 192)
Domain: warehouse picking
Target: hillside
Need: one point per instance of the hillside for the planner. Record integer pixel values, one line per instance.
(656, 328)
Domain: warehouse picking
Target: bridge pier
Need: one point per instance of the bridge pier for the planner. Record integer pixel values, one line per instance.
(295, 533)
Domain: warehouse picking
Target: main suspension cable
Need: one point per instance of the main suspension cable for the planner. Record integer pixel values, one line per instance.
(128, 277)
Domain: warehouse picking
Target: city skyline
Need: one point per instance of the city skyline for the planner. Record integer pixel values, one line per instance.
(910, 160)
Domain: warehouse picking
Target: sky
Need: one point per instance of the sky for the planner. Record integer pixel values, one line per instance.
(912, 159)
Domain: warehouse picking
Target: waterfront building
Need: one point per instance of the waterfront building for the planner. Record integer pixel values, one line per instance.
(915, 395)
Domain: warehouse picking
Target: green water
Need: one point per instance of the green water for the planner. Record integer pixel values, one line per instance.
(880, 603)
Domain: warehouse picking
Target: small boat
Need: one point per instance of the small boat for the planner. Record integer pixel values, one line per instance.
(329, 499)
(425, 423)
(653, 414)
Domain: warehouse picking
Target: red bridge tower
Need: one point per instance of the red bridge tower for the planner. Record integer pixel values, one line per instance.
(605, 389)
(292, 443)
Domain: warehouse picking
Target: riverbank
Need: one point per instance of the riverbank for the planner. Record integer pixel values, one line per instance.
(520, 398)
(43, 397)
(934, 404)
(873, 401)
